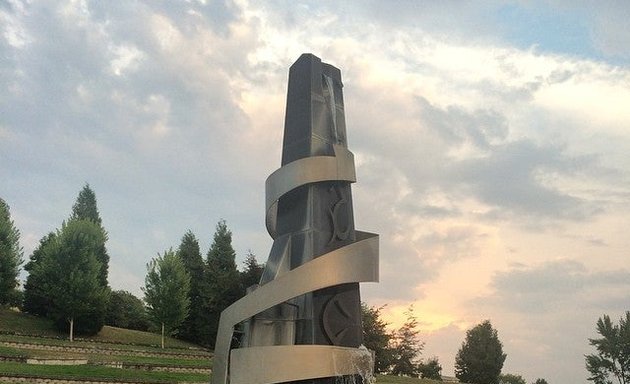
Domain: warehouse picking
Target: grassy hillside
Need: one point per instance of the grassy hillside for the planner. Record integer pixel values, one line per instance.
(20, 327)
(25, 324)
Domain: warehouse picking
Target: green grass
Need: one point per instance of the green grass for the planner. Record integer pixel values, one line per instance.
(121, 335)
(97, 357)
(152, 360)
(11, 352)
(25, 324)
(386, 379)
(95, 372)
(100, 346)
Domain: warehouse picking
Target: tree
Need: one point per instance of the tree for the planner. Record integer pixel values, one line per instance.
(540, 381)
(223, 279)
(68, 271)
(126, 311)
(481, 357)
(85, 208)
(190, 254)
(36, 299)
(252, 272)
(431, 369)
(10, 257)
(613, 351)
(509, 378)
(376, 337)
(407, 347)
(166, 292)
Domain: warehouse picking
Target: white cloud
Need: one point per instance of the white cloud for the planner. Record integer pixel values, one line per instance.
(480, 164)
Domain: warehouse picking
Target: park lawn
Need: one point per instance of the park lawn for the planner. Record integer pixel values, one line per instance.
(96, 372)
(100, 346)
(28, 325)
(12, 352)
(387, 379)
(97, 357)
(23, 323)
(130, 336)
(197, 363)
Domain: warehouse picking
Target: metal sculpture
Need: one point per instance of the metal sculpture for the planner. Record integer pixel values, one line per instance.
(303, 321)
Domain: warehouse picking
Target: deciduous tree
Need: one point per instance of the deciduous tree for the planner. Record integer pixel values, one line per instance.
(69, 270)
(10, 256)
(166, 292)
(430, 369)
(126, 311)
(509, 378)
(480, 358)
(612, 360)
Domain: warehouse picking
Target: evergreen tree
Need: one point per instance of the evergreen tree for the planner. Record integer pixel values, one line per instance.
(190, 254)
(85, 209)
(36, 299)
(376, 337)
(10, 257)
(481, 357)
(85, 206)
(252, 272)
(222, 277)
(407, 347)
(69, 270)
(166, 292)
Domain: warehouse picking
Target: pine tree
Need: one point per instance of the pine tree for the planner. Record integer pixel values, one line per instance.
(253, 271)
(190, 255)
(376, 337)
(407, 347)
(85, 209)
(166, 292)
(36, 299)
(69, 270)
(10, 256)
(223, 279)
(85, 206)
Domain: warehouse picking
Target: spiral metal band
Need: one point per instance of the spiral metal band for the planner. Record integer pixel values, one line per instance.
(356, 262)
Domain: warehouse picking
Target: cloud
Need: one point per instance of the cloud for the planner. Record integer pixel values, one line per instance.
(494, 169)
(552, 307)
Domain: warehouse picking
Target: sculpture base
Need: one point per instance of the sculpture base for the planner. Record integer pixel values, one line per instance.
(299, 364)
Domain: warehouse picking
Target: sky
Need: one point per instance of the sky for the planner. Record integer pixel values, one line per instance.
(491, 140)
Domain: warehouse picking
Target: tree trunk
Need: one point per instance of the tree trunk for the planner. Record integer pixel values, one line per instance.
(72, 329)
(162, 335)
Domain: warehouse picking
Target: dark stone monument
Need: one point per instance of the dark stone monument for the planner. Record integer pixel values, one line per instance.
(302, 323)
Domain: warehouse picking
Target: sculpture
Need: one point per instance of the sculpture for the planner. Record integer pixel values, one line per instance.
(303, 321)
